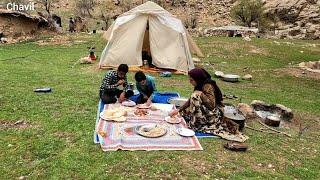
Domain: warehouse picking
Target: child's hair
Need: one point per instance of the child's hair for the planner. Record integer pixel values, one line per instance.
(123, 68)
(140, 76)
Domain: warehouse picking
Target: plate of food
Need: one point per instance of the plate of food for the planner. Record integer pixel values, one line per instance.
(173, 119)
(143, 106)
(141, 112)
(128, 103)
(185, 132)
(118, 115)
(151, 130)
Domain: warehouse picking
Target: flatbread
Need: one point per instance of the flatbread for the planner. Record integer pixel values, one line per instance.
(117, 114)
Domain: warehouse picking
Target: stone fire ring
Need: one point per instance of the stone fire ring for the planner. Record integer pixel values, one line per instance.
(312, 66)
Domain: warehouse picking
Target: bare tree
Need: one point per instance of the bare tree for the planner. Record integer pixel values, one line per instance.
(85, 7)
(106, 18)
(47, 5)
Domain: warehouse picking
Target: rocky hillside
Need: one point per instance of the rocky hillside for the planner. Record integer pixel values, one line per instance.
(299, 19)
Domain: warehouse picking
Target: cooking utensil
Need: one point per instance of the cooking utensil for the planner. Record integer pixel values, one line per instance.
(273, 121)
(230, 78)
(219, 74)
(177, 101)
(237, 118)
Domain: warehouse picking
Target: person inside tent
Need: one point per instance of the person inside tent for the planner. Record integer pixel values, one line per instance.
(148, 58)
(202, 110)
(109, 89)
(146, 86)
(146, 52)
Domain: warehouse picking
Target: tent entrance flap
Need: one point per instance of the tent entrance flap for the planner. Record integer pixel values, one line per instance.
(146, 51)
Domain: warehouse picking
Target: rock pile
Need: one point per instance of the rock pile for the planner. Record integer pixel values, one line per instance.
(297, 19)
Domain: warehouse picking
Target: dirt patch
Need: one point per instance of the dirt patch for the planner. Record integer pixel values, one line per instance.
(56, 40)
(256, 50)
(20, 124)
(297, 72)
(307, 123)
(312, 66)
(201, 166)
(92, 68)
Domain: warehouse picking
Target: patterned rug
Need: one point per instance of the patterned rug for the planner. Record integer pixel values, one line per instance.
(114, 136)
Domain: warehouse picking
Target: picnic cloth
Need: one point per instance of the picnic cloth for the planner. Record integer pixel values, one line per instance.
(113, 136)
(163, 106)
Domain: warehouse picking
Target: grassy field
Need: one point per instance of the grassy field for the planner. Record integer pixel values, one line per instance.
(56, 140)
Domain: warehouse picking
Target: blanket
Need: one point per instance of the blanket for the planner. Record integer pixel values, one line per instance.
(114, 136)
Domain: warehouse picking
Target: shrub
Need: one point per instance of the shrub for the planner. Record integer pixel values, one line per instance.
(248, 11)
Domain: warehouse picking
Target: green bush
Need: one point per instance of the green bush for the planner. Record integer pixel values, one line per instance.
(248, 12)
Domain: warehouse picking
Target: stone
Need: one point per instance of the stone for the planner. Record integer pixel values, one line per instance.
(247, 77)
(3, 40)
(286, 113)
(246, 110)
(196, 60)
(247, 38)
(258, 105)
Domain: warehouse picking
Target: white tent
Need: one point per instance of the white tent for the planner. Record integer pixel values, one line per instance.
(152, 28)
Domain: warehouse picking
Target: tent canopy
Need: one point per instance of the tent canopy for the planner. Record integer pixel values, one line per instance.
(151, 28)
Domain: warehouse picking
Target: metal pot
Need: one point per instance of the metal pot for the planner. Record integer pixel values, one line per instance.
(129, 90)
(237, 118)
(230, 78)
(273, 121)
(130, 86)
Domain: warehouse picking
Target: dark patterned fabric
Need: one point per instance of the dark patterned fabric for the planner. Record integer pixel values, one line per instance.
(109, 82)
(203, 113)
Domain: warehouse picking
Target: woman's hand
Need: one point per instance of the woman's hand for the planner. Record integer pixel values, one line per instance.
(149, 102)
(174, 112)
(122, 97)
(198, 92)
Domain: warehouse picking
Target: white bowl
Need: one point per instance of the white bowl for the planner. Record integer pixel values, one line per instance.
(219, 74)
(231, 77)
(177, 101)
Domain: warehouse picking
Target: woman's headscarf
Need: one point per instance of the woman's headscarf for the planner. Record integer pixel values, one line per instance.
(202, 77)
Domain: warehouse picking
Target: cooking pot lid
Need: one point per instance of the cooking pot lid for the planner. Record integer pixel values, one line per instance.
(234, 116)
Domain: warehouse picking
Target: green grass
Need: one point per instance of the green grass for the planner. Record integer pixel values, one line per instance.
(58, 142)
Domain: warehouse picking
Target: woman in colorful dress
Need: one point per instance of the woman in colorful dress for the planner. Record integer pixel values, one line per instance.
(204, 109)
